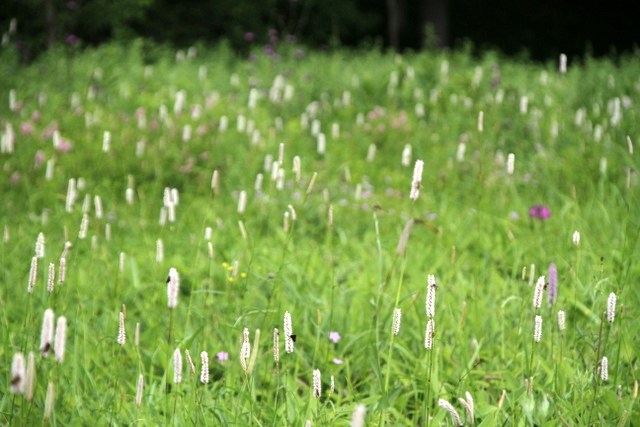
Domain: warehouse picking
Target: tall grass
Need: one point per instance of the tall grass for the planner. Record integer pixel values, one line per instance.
(338, 267)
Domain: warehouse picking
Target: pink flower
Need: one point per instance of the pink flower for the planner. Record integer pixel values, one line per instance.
(26, 128)
(15, 177)
(188, 167)
(338, 361)
(222, 356)
(49, 130)
(39, 158)
(64, 145)
(334, 336)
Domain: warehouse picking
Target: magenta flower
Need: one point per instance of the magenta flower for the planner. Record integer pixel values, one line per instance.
(337, 361)
(334, 336)
(71, 39)
(539, 212)
(222, 356)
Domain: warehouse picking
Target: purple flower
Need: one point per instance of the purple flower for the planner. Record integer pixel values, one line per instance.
(222, 356)
(291, 38)
(553, 283)
(72, 5)
(514, 215)
(249, 37)
(71, 39)
(253, 58)
(268, 49)
(273, 33)
(539, 212)
(334, 336)
(337, 361)
(299, 53)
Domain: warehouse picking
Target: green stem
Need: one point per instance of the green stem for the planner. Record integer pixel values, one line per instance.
(390, 353)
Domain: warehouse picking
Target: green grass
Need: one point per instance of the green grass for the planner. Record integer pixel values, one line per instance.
(471, 229)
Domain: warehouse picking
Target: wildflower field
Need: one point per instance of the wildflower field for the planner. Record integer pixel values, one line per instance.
(318, 238)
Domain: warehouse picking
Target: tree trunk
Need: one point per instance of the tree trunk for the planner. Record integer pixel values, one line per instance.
(394, 21)
(50, 23)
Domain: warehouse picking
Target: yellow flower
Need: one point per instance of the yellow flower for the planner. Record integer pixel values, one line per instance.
(231, 279)
(243, 274)
(224, 264)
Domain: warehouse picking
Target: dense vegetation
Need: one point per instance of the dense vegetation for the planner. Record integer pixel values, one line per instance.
(123, 152)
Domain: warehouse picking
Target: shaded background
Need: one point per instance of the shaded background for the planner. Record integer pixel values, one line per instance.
(540, 30)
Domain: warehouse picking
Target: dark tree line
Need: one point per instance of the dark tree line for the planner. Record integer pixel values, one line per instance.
(543, 28)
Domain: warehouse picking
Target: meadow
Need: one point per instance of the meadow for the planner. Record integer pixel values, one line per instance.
(444, 232)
